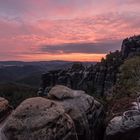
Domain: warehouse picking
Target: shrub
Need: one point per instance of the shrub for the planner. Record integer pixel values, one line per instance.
(130, 74)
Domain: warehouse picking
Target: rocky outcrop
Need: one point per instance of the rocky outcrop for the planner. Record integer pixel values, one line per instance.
(131, 47)
(126, 126)
(39, 119)
(106, 73)
(93, 80)
(5, 108)
(87, 113)
(65, 115)
(123, 104)
(71, 77)
(96, 79)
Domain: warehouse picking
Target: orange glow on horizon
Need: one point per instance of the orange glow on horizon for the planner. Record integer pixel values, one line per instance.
(66, 57)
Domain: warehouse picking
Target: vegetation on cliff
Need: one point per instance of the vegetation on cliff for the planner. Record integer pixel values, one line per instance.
(127, 88)
(130, 74)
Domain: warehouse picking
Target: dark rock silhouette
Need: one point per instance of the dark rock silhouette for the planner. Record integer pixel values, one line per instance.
(131, 47)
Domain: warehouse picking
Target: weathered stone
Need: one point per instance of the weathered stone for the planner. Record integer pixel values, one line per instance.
(3, 104)
(123, 128)
(85, 111)
(97, 79)
(127, 126)
(5, 108)
(60, 92)
(131, 47)
(65, 115)
(39, 119)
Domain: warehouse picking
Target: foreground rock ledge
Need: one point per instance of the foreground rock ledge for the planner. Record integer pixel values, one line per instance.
(39, 119)
(66, 115)
(121, 128)
(85, 111)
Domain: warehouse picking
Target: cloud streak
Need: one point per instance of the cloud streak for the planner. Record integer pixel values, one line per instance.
(87, 48)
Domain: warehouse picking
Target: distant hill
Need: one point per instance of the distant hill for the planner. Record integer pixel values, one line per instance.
(29, 73)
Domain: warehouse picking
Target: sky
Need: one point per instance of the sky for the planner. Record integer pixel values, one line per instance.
(73, 30)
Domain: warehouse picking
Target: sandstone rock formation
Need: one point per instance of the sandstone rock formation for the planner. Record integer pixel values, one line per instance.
(125, 127)
(121, 128)
(87, 113)
(5, 108)
(39, 119)
(131, 47)
(98, 78)
(66, 115)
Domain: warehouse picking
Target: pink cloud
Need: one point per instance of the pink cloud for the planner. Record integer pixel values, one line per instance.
(28, 25)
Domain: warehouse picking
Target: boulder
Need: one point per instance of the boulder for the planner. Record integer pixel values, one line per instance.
(124, 127)
(60, 92)
(39, 119)
(85, 111)
(5, 108)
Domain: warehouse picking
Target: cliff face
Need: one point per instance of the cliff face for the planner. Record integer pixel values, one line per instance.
(105, 75)
(131, 47)
(96, 79)
(125, 121)
(124, 102)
